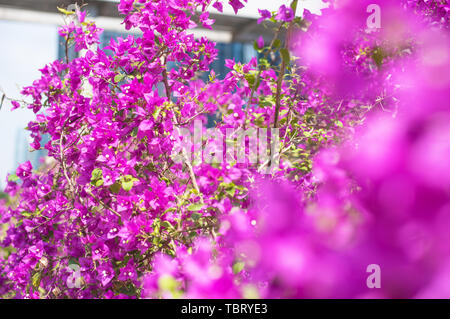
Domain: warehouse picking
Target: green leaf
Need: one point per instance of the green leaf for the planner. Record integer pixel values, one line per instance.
(115, 188)
(231, 191)
(127, 185)
(128, 182)
(238, 267)
(13, 178)
(264, 63)
(166, 224)
(96, 174)
(192, 234)
(171, 209)
(26, 214)
(195, 207)
(250, 79)
(255, 46)
(119, 77)
(294, 5)
(36, 280)
(97, 177)
(276, 44)
(378, 56)
(238, 67)
(134, 132)
(64, 11)
(156, 112)
(285, 55)
(73, 261)
(284, 112)
(196, 216)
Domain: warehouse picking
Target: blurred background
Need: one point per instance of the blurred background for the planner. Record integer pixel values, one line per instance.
(29, 40)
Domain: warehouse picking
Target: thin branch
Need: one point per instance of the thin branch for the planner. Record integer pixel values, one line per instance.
(258, 76)
(192, 117)
(103, 204)
(282, 70)
(61, 155)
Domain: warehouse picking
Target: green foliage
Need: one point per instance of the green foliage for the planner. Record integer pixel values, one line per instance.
(195, 207)
(97, 177)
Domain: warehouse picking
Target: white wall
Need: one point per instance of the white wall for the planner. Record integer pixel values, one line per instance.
(24, 48)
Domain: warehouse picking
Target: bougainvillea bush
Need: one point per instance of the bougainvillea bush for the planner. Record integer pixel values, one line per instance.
(357, 173)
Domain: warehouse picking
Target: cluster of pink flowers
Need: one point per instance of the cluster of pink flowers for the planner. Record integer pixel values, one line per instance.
(362, 178)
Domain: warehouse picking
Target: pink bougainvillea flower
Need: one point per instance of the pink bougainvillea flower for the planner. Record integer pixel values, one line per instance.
(351, 172)
(218, 5)
(15, 105)
(260, 42)
(265, 14)
(236, 4)
(285, 14)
